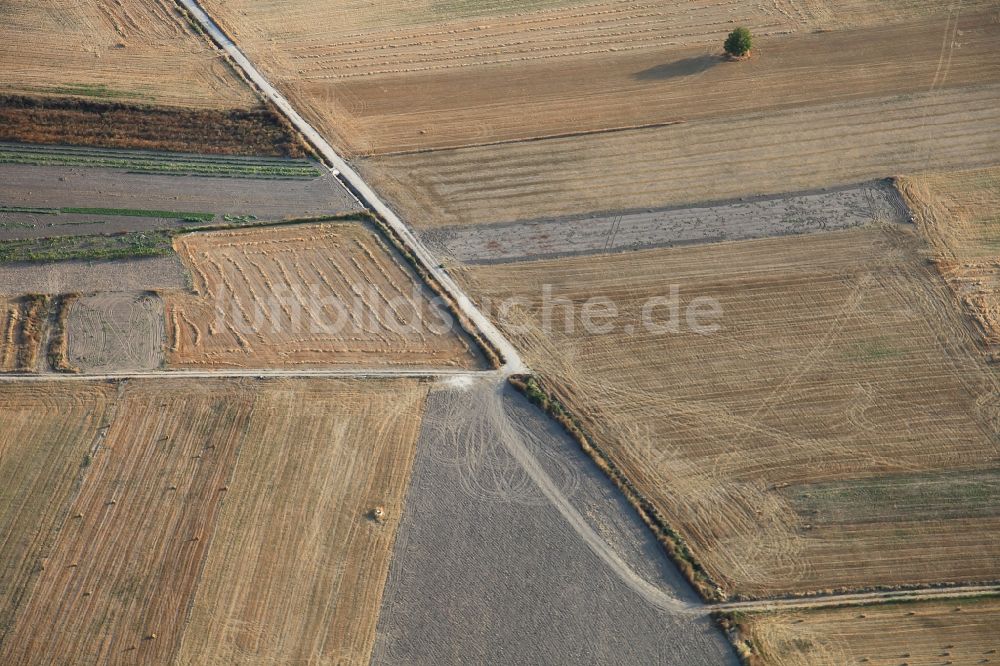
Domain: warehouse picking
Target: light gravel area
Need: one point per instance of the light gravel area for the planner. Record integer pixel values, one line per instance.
(487, 570)
(28, 186)
(116, 332)
(804, 213)
(121, 275)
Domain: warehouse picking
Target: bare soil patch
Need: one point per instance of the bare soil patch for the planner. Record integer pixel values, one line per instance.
(537, 590)
(23, 323)
(116, 332)
(131, 275)
(920, 634)
(841, 357)
(307, 295)
(867, 204)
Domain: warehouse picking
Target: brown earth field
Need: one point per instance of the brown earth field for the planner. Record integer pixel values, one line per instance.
(790, 150)
(307, 295)
(190, 533)
(124, 51)
(122, 275)
(959, 212)
(837, 432)
(918, 634)
(256, 130)
(443, 82)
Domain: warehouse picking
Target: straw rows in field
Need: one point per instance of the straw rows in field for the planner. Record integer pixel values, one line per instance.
(306, 295)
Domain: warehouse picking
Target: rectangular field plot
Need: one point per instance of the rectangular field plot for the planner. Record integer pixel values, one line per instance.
(297, 565)
(116, 332)
(115, 51)
(961, 631)
(823, 145)
(307, 296)
(396, 76)
(841, 359)
(47, 431)
(216, 522)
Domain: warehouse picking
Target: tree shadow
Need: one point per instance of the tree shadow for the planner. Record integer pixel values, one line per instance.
(683, 67)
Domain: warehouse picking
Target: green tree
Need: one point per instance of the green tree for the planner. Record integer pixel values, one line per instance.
(739, 42)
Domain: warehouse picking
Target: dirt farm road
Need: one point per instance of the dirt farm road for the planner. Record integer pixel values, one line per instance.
(512, 360)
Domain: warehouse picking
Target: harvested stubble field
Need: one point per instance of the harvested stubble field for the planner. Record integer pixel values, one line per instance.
(116, 332)
(46, 431)
(959, 214)
(127, 50)
(842, 363)
(189, 536)
(307, 295)
(714, 159)
(442, 75)
(919, 634)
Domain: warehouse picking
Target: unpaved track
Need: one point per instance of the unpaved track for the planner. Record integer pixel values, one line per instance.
(512, 360)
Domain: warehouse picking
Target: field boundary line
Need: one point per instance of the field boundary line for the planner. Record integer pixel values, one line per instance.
(527, 139)
(346, 373)
(511, 360)
(859, 599)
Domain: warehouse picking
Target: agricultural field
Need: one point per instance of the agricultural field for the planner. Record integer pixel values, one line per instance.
(307, 295)
(47, 192)
(46, 433)
(960, 631)
(714, 159)
(115, 332)
(122, 275)
(120, 51)
(838, 431)
(959, 213)
(153, 541)
(460, 74)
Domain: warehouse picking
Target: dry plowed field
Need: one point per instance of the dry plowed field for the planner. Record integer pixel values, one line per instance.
(774, 152)
(213, 523)
(306, 296)
(959, 213)
(113, 332)
(127, 51)
(918, 634)
(842, 365)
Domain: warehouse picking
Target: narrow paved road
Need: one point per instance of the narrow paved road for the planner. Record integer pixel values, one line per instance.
(512, 360)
